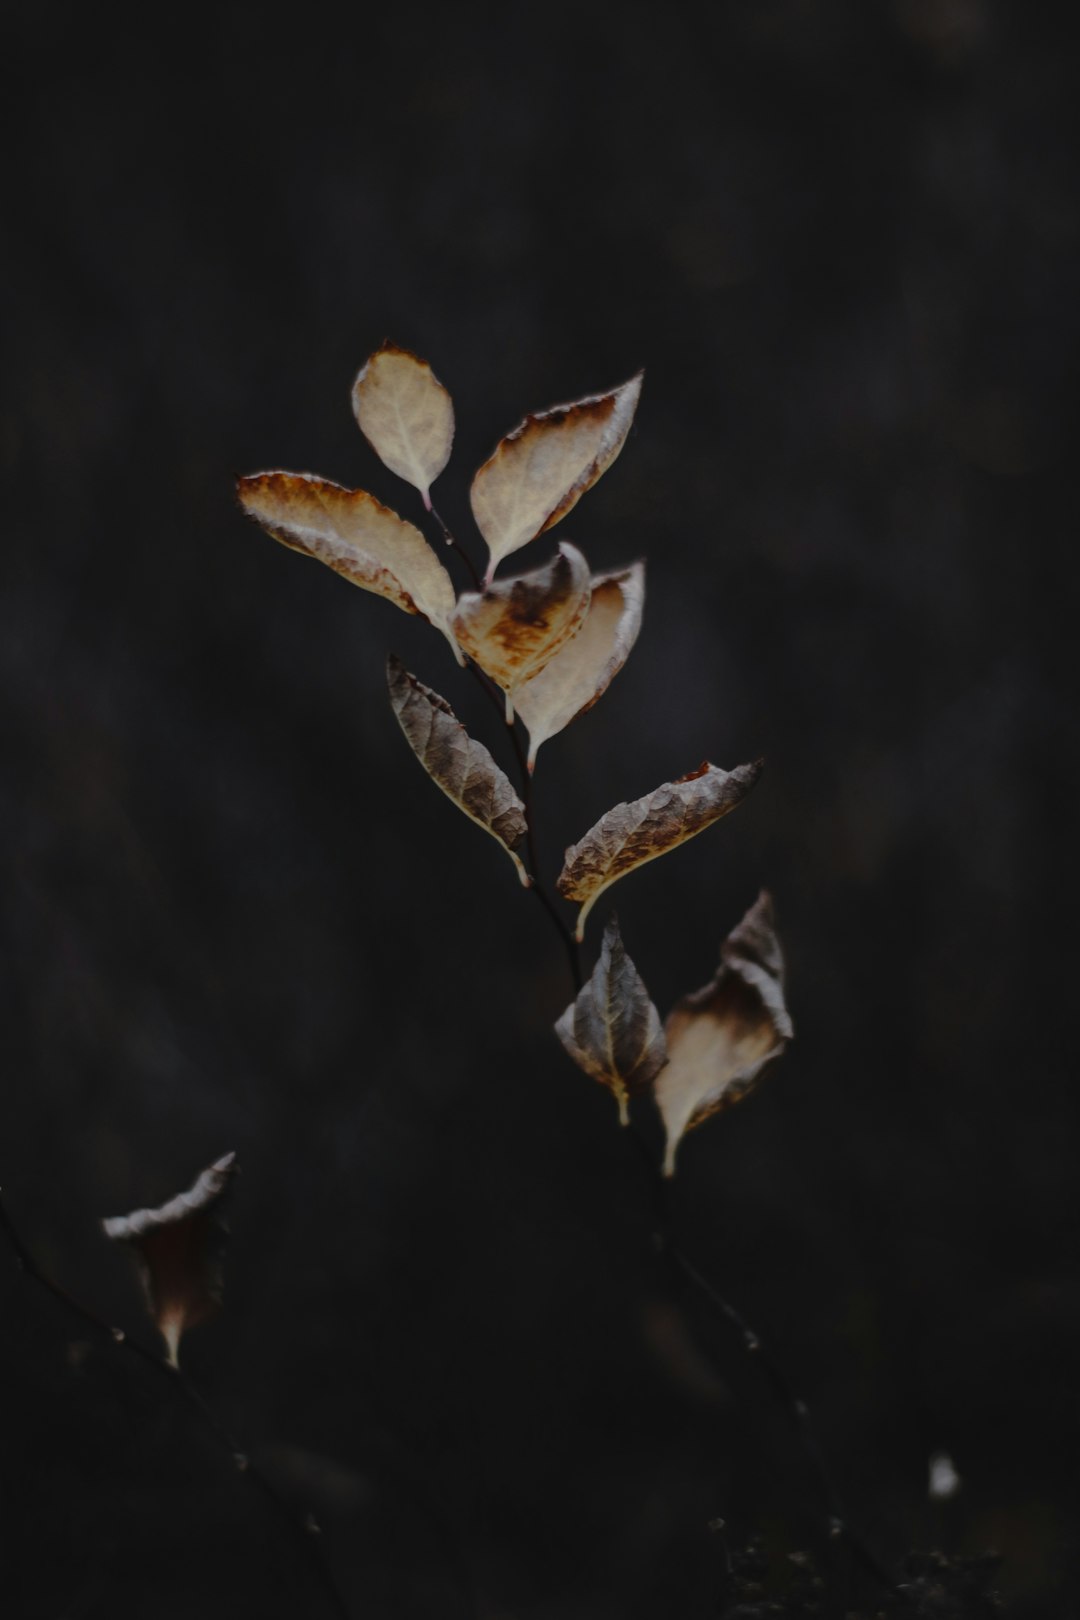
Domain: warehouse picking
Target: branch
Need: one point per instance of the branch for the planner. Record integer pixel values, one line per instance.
(570, 944)
(459, 548)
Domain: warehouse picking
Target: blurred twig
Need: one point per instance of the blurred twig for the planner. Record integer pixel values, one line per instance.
(303, 1531)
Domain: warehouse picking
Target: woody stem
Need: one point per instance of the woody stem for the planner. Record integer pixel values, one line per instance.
(570, 944)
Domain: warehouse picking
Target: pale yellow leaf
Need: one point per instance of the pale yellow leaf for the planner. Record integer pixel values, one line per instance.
(355, 535)
(721, 1037)
(612, 1030)
(542, 469)
(457, 763)
(581, 672)
(631, 834)
(515, 627)
(406, 415)
(179, 1249)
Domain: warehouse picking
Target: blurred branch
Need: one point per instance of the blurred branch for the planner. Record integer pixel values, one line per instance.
(304, 1530)
(839, 1527)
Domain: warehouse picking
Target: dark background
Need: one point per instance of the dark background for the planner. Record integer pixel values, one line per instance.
(839, 238)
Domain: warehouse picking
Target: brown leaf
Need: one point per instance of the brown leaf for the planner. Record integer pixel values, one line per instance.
(355, 535)
(179, 1249)
(581, 672)
(516, 626)
(631, 834)
(458, 764)
(542, 469)
(721, 1037)
(612, 1030)
(406, 415)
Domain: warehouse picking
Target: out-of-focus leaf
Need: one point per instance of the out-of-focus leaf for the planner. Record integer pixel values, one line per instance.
(581, 672)
(542, 469)
(631, 834)
(406, 415)
(612, 1030)
(516, 626)
(458, 764)
(355, 535)
(721, 1037)
(179, 1250)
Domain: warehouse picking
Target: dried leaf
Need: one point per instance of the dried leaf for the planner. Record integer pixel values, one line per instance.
(612, 1030)
(721, 1037)
(542, 469)
(406, 415)
(581, 672)
(179, 1250)
(355, 535)
(458, 764)
(631, 834)
(516, 626)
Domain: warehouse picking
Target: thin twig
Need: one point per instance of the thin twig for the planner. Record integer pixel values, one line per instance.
(303, 1531)
(570, 944)
(456, 545)
(839, 1526)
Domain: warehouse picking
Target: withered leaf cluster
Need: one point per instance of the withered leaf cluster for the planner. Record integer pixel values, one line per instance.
(715, 1042)
(550, 641)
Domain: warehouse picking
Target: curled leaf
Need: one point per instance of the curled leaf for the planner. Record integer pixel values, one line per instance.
(629, 835)
(721, 1037)
(179, 1250)
(612, 1030)
(515, 627)
(355, 535)
(542, 469)
(457, 763)
(406, 415)
(582, 670)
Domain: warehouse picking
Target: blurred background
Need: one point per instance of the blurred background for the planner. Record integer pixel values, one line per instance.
(236, 916)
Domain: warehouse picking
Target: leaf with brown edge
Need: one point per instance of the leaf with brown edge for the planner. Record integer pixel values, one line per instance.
(406, 415)
(457, 763)
(581, 672)
(355, 535)
(612, 1030)
(542, 469)
(631, 834)
(179, 1250)
(721, 1037)
(516, 626)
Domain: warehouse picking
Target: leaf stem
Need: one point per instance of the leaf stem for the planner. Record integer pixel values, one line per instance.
(459, 548)
(303, 1531)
